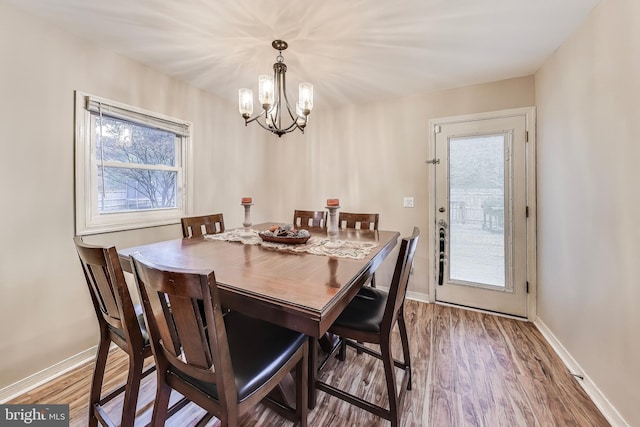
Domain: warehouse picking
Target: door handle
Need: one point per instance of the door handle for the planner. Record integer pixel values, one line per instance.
(443, 236)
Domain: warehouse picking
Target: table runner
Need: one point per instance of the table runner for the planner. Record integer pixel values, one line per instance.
(315, 245)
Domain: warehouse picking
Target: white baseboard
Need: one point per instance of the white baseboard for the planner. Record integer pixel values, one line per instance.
(27, 384)
(416, 296)
(599, 399)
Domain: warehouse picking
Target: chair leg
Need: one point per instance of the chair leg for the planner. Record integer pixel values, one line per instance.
(136, 363)
(302, 391)
(342, 353)
(98, 377)
(373, 285)
(404, 339)
(161, 405)
(387, 360)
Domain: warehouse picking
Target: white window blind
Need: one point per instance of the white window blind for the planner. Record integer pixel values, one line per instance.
(102, 106)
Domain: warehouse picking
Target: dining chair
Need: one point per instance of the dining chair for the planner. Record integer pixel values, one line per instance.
(194, 226)
(120, 322)
(358, 221)
(370, 318)
(362, 221)
(309, 219)
(226, 365)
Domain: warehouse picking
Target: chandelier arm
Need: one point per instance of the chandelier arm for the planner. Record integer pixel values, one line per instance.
(276, 129)
(294, 117)
(281, 86)
(289, 128)
(263, 126)
(286, 100)
(272, 129)
(253, 119)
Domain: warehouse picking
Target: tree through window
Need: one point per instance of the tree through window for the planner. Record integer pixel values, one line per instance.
(136, 166)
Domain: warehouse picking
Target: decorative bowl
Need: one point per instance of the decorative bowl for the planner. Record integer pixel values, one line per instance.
(283, 239)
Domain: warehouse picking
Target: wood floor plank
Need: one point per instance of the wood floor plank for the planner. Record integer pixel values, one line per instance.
(469, 369)
(444, 407)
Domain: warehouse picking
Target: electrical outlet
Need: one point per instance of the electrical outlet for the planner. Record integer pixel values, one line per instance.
(408, 202)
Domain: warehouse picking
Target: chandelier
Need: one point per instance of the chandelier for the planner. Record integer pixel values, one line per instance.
(272, 94)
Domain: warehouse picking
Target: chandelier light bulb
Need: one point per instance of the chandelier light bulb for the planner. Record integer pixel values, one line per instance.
(265, 90)
(305, 91)
(245, 102)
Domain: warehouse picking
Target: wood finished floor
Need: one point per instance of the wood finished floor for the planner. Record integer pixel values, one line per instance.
(469, 369)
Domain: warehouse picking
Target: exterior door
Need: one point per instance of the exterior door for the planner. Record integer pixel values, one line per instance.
(481, 213)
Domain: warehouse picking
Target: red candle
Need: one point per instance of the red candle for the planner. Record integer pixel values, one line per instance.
(333, 202)
(246, 200)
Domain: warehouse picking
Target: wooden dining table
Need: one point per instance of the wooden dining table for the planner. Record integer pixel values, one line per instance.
(299, 291)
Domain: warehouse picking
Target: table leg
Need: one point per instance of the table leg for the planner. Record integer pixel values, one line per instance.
(313, 371)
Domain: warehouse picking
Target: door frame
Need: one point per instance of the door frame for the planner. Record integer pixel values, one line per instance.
(530, 117)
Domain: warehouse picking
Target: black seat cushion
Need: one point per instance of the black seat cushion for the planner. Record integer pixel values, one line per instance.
(365, 311)
(258, 350)
(143, 326)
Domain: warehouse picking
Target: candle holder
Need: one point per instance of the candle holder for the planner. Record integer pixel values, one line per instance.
(247, 220)
(332, 228)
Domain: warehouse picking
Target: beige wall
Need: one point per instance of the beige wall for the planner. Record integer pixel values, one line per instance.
(588, 98)
(45, 311)
(371, 156)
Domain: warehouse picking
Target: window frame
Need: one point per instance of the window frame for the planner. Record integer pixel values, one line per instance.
(88, 219)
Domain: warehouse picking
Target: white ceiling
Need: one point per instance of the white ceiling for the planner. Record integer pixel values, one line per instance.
(351, 50)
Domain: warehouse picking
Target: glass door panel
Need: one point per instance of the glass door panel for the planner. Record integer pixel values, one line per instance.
(476, 202)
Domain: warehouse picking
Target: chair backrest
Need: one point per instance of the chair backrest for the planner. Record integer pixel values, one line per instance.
(309, 219)
(110, 294)
(193, 226)
(363, 221)
(174, 303)
(400, 280)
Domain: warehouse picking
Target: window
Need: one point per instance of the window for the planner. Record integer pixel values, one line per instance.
(131, 167)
